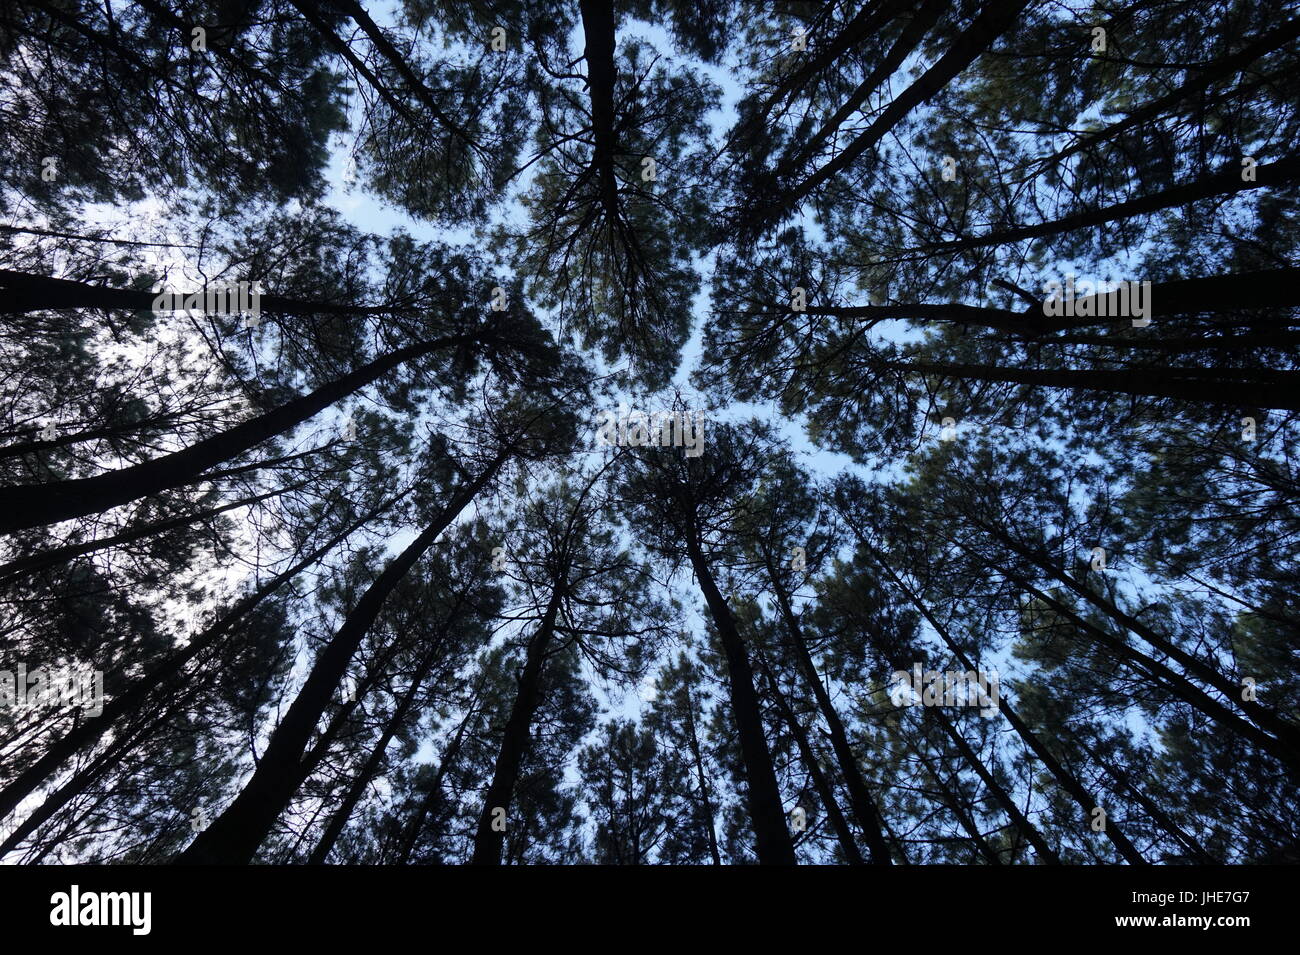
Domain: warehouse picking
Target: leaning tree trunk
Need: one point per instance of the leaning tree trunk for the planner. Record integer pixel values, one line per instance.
(27, 292)
(371, 767)
(990, 24)
(489, 839)
(1224, 182)
(1286, 733)
(860, 798)
(433, 793)
(1064, 778)
(1233, 388)
(61, 555)
(128, 738)
(1162, 818)
(922, 19)
(235, 835)
(1168, 679)
(762, 794)
(820, 783)
(1045, 852)
(164, 675)
(34, 505)
(953, 800)
(1228, 294)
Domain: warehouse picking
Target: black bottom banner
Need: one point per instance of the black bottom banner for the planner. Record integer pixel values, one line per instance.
(335, 904)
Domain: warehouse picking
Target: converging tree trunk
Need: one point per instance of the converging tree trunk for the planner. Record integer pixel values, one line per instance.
(34, 505)
(235, 835)
(771, 835)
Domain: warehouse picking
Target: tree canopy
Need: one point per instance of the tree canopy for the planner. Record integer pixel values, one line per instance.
(650, 432)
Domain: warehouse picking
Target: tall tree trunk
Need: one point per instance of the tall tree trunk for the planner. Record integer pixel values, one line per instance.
(870, 17)
(161, 678)
(598, 31)
(1227, 181)
(35, 505)
(234, 836)
(762, 794)
(400, 63)
(953, 800)
(1064, 778)
(33, 443)
(824, 791)
(1161, 817)
(1231, 294)
(920, 22)
(433, 794)
(375, 760)
(860, 798)
(1174, 346)
(1278, 39)
(1045, 852)
(994, 20)
(60, 555)
(128, 738)
(1169, 679)
(1285, 732)
(1235, 388)
(311, 13)
(706, 800)
(29, 292)
(489, 841)
(342, 718)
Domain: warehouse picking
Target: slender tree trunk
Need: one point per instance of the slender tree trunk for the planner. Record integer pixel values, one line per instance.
(433, 794)
(1234, 388)
(310, 12)
(1065, 779)
(121, 705)
(129, 737)
(860, 798)
(824, 791)
(400, 63)
(917, 26)
(762, 794)
(1170, 680)
(870, 17)
(1278, 39)
(61, 555)
(80, 782)
(706, 799)
(1161, 817)
(954, 802)
(1178, 346)
(1285, 733)
(235, 835)
(342, 718)
(55, 234)
(488, 840)
(994, 20)
(371, 767)
(35, 505)
(1227, 181)
(1045, 852)
(33, 444)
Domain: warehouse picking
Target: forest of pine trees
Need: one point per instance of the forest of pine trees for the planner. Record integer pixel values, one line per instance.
(694, 432)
